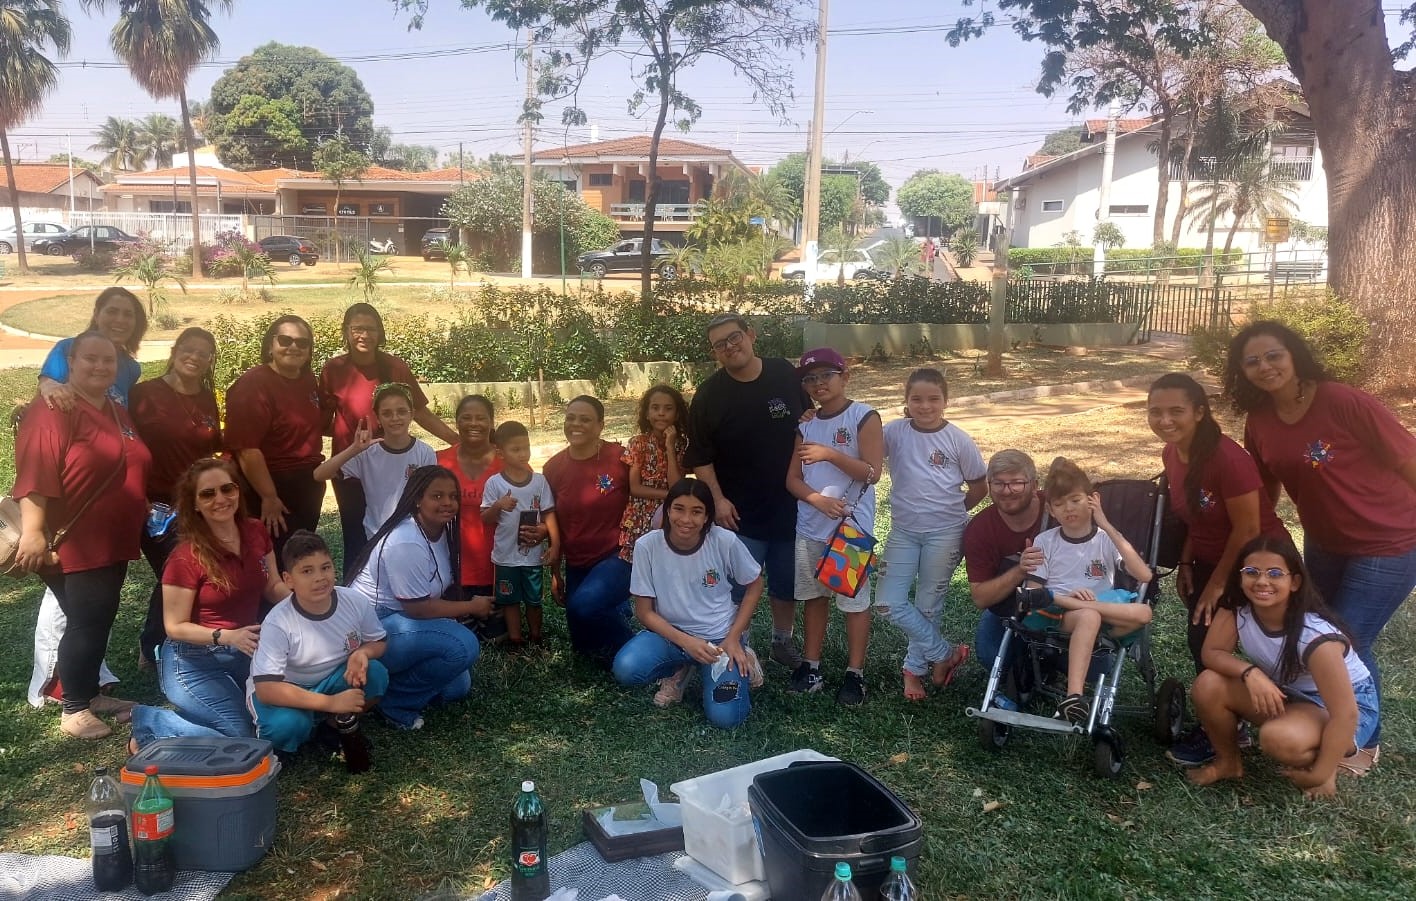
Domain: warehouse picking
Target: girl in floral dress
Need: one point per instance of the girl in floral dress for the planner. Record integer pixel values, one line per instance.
(655, 458)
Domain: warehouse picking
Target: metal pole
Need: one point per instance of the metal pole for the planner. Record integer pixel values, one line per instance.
(526, 193)
(1103, 204)
(811, 212)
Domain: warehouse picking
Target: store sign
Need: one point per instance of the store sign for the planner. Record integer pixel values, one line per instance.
(314, 209)
(380, 209)
(347, 209)
(1277, 230)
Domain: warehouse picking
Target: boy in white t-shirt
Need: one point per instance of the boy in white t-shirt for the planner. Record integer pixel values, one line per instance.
(518, 500)
(839, 453)
(1079, 565)
(317, 654)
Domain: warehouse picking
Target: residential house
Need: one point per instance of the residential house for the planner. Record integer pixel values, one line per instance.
(46, 193)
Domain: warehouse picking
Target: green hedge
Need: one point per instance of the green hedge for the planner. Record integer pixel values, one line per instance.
(1077, 260)
(1333, 328)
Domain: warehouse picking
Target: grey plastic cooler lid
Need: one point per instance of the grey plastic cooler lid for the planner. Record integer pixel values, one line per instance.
(201, 756)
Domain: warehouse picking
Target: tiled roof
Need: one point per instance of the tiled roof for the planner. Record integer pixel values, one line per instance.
(41, 178)
(265, 179)
(636, 147)
(1037, 159)
(1123, 126)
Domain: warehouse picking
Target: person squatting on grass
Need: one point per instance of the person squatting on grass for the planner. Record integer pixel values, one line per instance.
(1078, 569)
(839, 454)
(682, 582)
(1303, 684)
(519, 501)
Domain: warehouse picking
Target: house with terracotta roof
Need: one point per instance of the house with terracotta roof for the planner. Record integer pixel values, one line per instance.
(45, 191)
(612, 176)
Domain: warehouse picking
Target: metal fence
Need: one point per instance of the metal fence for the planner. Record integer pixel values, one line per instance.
(1173, 308)
(174, 229)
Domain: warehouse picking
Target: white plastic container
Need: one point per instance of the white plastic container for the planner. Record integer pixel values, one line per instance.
(717, 821)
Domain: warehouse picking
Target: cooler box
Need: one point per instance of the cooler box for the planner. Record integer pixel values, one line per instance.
(223, 793)
(719, 833)
(811, 815)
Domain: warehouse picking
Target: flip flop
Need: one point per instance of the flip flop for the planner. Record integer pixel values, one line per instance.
(960, 655)
(1360, 762)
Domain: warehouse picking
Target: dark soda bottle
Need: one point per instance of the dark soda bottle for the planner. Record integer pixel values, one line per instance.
(154, 868)
(108, 834)
(352, 743)
(530, 879)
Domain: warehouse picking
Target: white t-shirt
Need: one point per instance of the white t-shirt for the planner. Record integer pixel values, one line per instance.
(383, 473)
(302, 649)
(534, 495)
(1072, 563)
(406, 567)
(927, 475)
(1266, 649)
(693, 590)
(841, 433)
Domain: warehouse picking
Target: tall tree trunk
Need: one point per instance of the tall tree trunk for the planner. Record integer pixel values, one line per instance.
(192, 177)
(651, 199)
(1162, 187)
(15, 202)
(1182, 202)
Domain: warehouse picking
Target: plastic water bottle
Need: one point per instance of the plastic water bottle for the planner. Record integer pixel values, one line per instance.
(841, 888)
(108, 834)
(530, 878)
(154, 867)
(898, 886)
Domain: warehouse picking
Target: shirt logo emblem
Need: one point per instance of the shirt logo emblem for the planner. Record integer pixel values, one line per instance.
(351, 642)
(1096, 570)
(711, 578)
(842, 437)
(1319, 454)
(604, 483)
(937, 458)
(778, 409)
(1207, 499)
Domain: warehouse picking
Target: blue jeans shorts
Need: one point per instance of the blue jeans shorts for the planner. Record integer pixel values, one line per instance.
(1369, 715)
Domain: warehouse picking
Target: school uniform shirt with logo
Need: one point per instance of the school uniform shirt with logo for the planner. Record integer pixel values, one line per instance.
(1072, 563)
(406, 567)
(927, 475)
(179, 429)
(693, 590)
(383, 472)
(1229, 474)
(282, 418)
(215, 607)
(302, 648)
(841, 433)
(349, 389)
(534, 495)
(1266, 649)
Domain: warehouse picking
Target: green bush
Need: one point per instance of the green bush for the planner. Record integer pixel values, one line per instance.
(1064, 260)
(908, 299)
(99, 261)
(1333, 328)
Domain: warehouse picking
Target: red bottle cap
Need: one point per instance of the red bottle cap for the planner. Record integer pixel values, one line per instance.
(151, 769)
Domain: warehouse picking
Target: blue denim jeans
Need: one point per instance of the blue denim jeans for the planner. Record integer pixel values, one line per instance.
(597, 606)
(287, 728)
(207, 685)
(649, 656)
(1364, 592)
(778, 561)
(988, 640)
(932, 556)
(428, 660)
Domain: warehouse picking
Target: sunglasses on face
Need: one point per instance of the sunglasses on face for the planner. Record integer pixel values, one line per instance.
(227, 490)
(291, 341)
(1253, 572)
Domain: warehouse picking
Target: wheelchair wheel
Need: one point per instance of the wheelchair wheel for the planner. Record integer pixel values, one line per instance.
(992, 736)
(1107, 756)
(1169, 712)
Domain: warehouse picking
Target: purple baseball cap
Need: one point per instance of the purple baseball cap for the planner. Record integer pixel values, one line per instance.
(821, 356)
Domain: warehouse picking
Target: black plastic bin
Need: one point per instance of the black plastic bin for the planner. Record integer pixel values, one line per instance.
(813, 814)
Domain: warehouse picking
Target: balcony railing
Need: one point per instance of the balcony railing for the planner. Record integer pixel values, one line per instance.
(1203, 169)
(1293, 170)
(663, 212)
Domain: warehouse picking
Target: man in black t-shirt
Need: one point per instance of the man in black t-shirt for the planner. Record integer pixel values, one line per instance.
(742, 430)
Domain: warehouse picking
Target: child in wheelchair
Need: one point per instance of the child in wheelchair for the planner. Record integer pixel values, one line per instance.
(1072, 591)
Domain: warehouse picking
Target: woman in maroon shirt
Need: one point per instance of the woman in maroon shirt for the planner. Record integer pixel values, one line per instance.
(347, 384)
(275, 425)
(177, 416)
(64, 460)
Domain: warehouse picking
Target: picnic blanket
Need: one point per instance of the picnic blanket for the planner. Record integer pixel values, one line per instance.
(636, 879)
(54, 878)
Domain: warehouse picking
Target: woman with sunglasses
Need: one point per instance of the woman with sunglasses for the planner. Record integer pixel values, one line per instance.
(212, 588)
(274, 425)
(347, 383)
(176, 414)
(1348, 465)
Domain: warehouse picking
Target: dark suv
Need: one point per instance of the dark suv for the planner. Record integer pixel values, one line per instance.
(625, 257)
(435, 241)
(292, 249)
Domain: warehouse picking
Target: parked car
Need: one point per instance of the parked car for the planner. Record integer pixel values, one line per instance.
(294, 250)
(434, 243)
(98, 237)
(857, 264)
(626, 256)
(33, 231)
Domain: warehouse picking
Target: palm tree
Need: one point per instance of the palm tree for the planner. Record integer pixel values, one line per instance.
(118, 141)
(900, 256)
(27, 28)
(1251, 193)
(161, 42)
(159, 138)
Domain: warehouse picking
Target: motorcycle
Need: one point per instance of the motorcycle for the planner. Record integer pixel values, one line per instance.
(385, 246)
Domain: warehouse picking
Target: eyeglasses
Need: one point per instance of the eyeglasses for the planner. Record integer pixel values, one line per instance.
(819, 378)
(195, 353)
(1013, 486)
(1253, 572)
(732, 340)
(1271, 357)
(363, 330)
(291, 341)
(228, 490)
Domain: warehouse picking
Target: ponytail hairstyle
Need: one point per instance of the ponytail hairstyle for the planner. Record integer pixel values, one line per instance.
(930, 375)
(417, 485)
(1207, 432)
(1065, 478)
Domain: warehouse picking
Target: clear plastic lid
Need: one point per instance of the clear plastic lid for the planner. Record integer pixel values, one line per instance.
(528, 786)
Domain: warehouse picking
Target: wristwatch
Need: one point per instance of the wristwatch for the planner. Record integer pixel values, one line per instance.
(216, 636)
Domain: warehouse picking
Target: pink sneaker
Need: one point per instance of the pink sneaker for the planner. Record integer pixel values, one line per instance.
(671, 687)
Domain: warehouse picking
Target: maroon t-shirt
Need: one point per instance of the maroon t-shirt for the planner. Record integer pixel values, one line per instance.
(990, 545)
(225, 608)
(477, 536)
(178, 429)
(67, 457)
(1338, 464)
(590, 499)
(1230, 473)
(349, 392)
(282, 418)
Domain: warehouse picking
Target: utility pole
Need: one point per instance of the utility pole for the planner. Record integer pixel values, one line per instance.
(1103, 203)
(526, 193)
(69, 152)
(998, 308)
(811, 207)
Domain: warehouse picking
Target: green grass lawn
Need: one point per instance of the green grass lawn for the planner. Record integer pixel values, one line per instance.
(434, 812)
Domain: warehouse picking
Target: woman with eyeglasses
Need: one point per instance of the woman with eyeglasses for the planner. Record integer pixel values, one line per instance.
(221, 570)
(274, 425)
(347, 383)
(176, 414)
(1348, 465)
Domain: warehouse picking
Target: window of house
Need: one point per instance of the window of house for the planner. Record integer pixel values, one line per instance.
(1129, 209)
(1052, 206)
(168, 206)
(601, 179)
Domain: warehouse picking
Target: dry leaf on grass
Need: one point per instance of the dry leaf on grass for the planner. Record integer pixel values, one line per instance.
(898, 759)
(992, 806)
(1144, 786)
(319, 866)
(71, 821)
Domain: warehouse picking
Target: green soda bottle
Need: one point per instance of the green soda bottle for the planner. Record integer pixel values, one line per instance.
(530, 878)
(154, 867)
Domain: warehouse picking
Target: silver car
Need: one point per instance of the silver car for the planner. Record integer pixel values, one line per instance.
(33, 231)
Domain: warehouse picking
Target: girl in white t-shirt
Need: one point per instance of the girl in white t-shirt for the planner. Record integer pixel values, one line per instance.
(1313, 699)
(682, 584)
